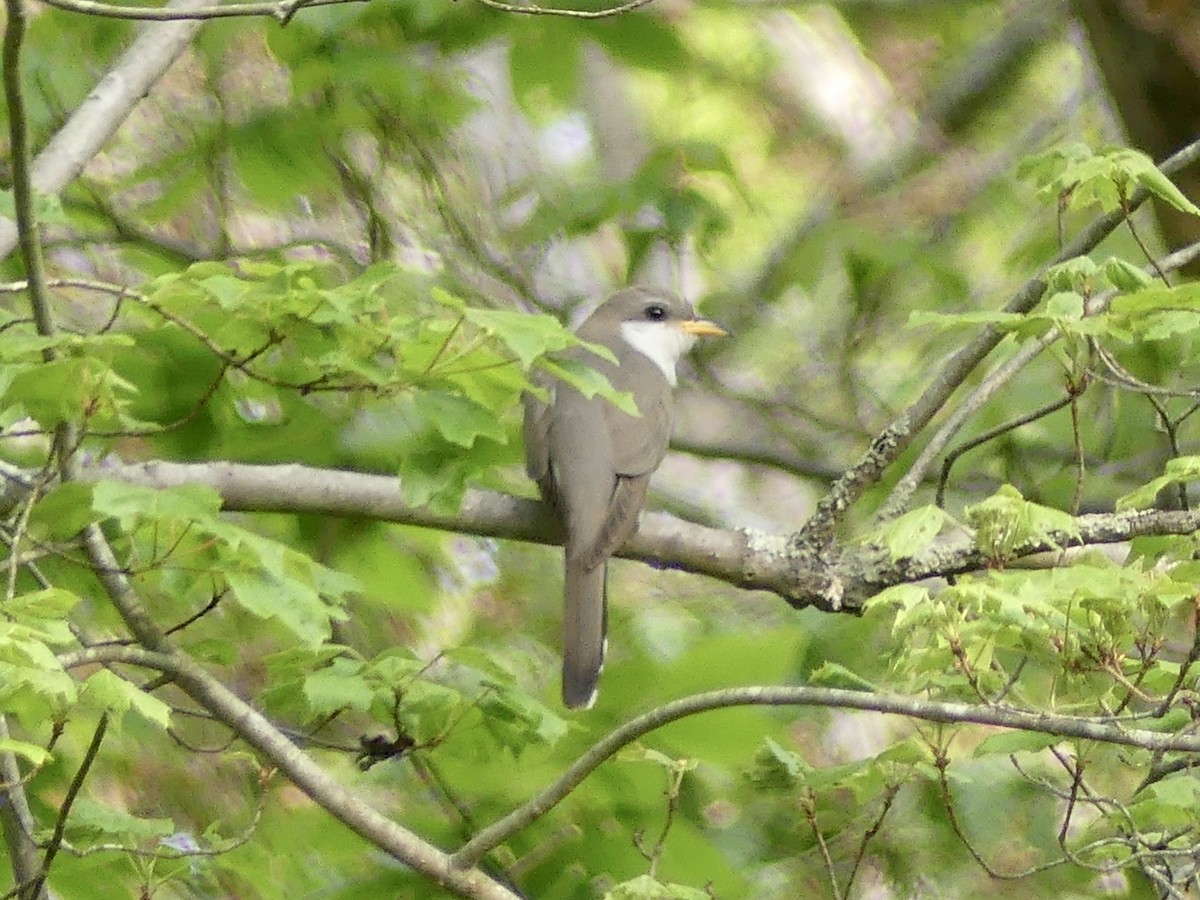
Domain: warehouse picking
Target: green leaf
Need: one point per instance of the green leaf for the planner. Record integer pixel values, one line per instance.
(64, 511)
(229, 291)
(1156, 298)
(1006, 520)
(589, 382)
(48, 603)
(645, 887)
(1125, 276)
(516, 721)
(1168, 324)
(777, 769)
(274, 581)
(130, 504)
(900, 596)
(1176, 720)
(459, 420)
(525, 334)
(1075, 275)
(44, 613)
(340, 685)
(104, 690)
(30, 670)
(1016, 742)
(66, 389)
(1147, 175)
(912, 532)
(290, 601)
(91, 819)
(1080, 176)
(36, 755)
(1170, 803)
(1065, 305)
(1180, 469)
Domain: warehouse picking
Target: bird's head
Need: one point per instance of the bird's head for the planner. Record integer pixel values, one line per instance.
(656, 323)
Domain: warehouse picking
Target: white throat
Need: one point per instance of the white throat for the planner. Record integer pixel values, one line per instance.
(663, 344)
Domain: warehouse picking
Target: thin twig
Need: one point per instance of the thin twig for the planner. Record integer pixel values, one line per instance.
(889, 795)
(808, 804)
(1137, 239)
(282, 10)
(990, 435)
(533, 9)
(1171, 429)
(889, 444)
(73, 789)
(942, 763)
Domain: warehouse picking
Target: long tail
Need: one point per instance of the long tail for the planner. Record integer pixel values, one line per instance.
(584, 621)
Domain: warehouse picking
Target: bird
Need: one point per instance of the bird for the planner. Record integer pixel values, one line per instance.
(592, 461)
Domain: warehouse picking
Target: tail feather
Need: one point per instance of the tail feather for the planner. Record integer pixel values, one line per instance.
(584, 621)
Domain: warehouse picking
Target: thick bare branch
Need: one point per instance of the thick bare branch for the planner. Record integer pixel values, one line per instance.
(743, 557)
(746, 558)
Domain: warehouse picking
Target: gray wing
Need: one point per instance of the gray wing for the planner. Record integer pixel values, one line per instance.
(624, 508)
(641, 441)
(578, 458)
(535, 429)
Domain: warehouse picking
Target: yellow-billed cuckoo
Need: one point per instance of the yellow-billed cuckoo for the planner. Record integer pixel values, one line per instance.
(592, 462)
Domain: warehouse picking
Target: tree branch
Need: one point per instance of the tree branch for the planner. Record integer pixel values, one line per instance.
(1107, 731)
(16, 821)
(902, 493)
(532, 9)
(104, 109)
(16, 826)
(887, 447)
(354, 812)
(351, 809)
(282, 10)
(64, 812)
(745, 558)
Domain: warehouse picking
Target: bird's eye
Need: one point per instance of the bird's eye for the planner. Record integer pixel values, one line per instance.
(655, 313)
